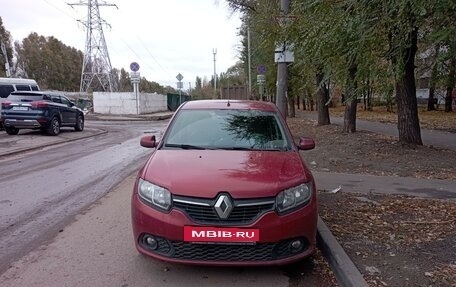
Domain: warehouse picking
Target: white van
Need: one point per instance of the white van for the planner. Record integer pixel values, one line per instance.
(8, 85)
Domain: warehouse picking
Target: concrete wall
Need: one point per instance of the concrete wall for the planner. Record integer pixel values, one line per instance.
(125, 103)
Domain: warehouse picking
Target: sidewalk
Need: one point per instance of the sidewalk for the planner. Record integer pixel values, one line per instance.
(364, 183)
(435, 138)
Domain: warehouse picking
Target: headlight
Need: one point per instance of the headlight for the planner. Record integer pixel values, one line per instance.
(293, 197)
(154, 194)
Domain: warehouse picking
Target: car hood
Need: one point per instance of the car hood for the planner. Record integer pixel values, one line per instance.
(244, 174)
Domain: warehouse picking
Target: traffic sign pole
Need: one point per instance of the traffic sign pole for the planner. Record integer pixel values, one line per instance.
(135, 79)
(179, 77)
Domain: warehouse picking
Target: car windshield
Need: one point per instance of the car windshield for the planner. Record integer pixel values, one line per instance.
(227, 129)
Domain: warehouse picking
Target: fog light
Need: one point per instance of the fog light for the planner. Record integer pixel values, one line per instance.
(151, 242)
(296, 245)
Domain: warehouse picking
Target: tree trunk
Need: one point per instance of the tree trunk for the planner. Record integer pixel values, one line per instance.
(291, 107)
(322, 99)
(369, 95)
(430, 103)
(298, 102)
(407, 108)
(450, 86)
(352, 102)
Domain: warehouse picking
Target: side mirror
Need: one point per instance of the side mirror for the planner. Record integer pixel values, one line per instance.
(306, 143)
(148, 141)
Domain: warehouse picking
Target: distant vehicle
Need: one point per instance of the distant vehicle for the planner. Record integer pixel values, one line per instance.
(226, 185)
(9, 85)
(47, 111)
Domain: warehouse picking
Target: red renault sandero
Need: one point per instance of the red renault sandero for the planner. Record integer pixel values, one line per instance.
(225, 185)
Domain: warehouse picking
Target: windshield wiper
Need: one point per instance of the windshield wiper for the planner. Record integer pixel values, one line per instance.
(185, 146)
(236, 148)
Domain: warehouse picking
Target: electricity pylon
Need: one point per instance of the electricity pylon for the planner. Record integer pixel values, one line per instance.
(96, 66)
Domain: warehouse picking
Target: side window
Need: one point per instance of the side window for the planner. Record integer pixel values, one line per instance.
(34, 88)
(47, 98)
(5, 90)
(56, 99)
(23, 88)
(65, 101)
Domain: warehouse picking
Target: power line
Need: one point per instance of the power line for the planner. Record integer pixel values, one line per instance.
(164, 70)
(61, 10)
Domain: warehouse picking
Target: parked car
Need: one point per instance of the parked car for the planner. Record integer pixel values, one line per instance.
(226, 185)
(47, 111)
(9, 85)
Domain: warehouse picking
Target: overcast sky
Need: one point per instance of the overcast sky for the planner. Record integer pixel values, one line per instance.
(165, 37)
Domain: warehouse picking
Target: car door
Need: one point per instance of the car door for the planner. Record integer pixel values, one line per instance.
(59, 108)
(69, 112)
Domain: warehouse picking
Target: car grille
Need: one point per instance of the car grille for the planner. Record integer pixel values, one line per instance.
(244, 211)
(226, 252)
(217, 252)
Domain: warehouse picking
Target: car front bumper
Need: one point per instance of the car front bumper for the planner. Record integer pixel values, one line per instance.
(277, 234)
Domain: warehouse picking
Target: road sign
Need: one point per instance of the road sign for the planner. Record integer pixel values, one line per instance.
(261, 79)
(135, 77)
(284, 53)
(134, 66)
(261, 70)
(180, 85)
(179, 77)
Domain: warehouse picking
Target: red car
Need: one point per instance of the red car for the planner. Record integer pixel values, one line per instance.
(226, 185)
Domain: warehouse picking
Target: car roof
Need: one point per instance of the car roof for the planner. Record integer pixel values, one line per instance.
(36, 93)
(229, 105)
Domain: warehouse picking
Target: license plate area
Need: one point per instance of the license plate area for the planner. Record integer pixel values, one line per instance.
(20, 108)
(204, 234)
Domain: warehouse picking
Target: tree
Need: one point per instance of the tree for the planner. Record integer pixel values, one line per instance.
(5, 39)
(256, 18)
(124, 81)
(50, 62)
(403, 45)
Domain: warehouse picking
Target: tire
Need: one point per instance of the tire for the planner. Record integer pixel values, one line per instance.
(79, 124)
(11, 130)
(54, 127)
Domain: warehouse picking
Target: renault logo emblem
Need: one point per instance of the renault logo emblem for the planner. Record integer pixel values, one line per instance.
(223, 206)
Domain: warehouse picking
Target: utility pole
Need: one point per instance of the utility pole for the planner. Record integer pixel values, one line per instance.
(96, 65)
(249, 60)
(282, 70)
(214, 51)
(7, 66)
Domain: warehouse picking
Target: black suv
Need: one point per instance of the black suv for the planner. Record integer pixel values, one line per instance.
(47, 111)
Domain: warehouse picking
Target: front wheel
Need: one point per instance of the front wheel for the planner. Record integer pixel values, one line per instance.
(54, 128)
(11, 130)
(79, 124)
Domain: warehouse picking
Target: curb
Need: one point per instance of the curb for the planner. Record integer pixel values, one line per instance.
(347, 275)
(94, 117)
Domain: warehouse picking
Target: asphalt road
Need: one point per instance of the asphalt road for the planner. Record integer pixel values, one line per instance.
(65, 219)
(98, 250)
(42, 190)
